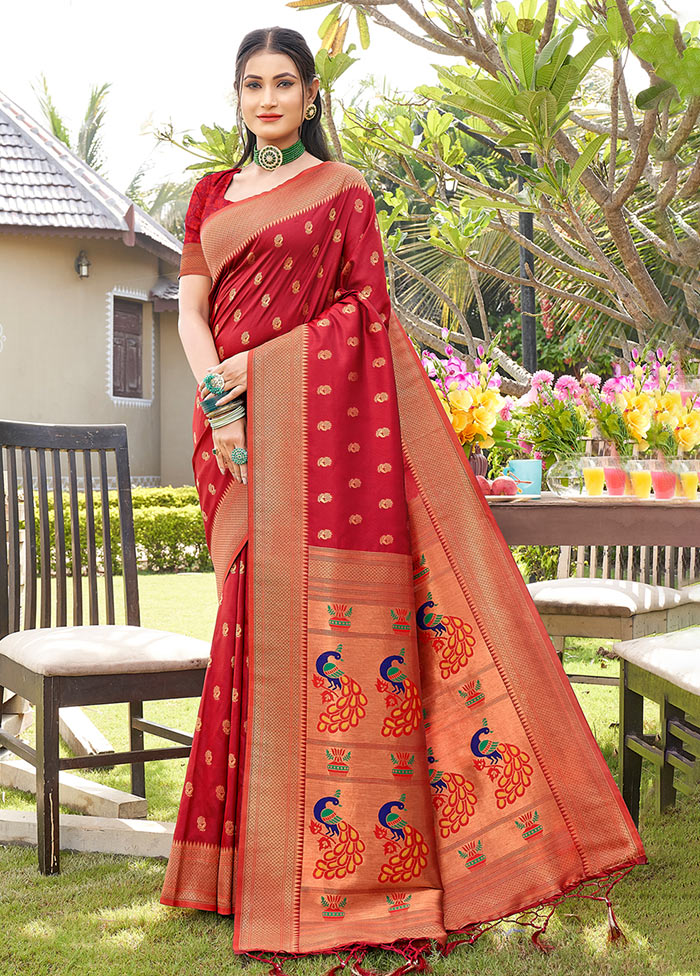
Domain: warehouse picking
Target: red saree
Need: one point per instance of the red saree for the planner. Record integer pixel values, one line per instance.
(387, 749)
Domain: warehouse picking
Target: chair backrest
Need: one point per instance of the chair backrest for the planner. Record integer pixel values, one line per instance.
(661, 565)
(41, 470)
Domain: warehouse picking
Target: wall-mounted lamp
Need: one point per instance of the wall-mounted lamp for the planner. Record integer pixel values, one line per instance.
(82, 265)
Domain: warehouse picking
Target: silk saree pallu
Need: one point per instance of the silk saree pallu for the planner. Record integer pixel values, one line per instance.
(412, 763)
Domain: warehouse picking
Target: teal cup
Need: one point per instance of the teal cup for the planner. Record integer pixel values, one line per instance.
(527, 474)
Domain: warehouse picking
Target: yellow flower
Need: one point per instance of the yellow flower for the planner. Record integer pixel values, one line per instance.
(474, 413)
(638, 412)
(687, 431)
(668, 408)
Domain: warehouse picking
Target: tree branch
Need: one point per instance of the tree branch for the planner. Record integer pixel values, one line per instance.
(328, 114)
(476, 288)
(634, 173)
(548, 23)
(549, 290)
(683, 130)
(439, 293)
(602, 283)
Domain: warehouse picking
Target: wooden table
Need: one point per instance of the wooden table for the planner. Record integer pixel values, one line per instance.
(554, 521)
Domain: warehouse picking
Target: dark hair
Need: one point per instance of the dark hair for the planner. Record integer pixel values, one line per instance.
(292, 43)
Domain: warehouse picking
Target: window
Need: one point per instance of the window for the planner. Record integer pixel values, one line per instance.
(127, 353)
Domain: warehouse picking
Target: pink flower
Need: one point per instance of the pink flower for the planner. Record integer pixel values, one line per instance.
(591, 380)
(507, 408)
(525, 446)
(540, 378)
(567, 387)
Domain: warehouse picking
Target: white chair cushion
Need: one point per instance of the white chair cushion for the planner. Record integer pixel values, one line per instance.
(103, 649)
(602, 598)
(692, 592)
(674, 656)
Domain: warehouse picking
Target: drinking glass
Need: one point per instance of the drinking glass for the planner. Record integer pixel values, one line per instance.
(615, 476)
(687, 472)
(663, 478)
(639, 471)
(593, 474)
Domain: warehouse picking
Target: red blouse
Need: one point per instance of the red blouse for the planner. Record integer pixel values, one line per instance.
(208, 197)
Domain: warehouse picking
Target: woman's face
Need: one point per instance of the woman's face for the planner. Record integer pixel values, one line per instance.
(271, 86)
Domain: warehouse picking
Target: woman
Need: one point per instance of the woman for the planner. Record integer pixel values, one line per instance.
(387, 750)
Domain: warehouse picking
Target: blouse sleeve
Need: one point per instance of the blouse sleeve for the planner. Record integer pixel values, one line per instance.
(192, 260)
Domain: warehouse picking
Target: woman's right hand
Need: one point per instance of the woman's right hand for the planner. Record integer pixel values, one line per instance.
(225, 439)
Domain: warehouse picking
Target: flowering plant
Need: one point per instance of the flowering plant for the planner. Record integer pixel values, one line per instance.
(552, 416)
(471, 398)
(606, 414)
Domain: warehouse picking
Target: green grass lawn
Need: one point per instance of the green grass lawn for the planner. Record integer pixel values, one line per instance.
(101, 915)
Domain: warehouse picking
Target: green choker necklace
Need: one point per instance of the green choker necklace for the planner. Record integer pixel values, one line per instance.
(271, 157)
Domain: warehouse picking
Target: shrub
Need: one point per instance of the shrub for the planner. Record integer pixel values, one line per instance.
(168, 529)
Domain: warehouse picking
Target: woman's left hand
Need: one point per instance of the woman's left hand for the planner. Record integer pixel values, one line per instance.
(235, 373)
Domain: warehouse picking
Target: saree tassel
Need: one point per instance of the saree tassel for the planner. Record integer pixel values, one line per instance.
(417, 965)
(335, 970)
(357, 958)
(536, 939)
(614, 930)
(339, 966)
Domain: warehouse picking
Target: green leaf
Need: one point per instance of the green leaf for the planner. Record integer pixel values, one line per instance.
(561, 42)
(520, 49)
(616, 30)
(651, 97)
(565, 84)
(362, 27)
(518, 137)
(588, 55)
(586, 158)
(328, 20)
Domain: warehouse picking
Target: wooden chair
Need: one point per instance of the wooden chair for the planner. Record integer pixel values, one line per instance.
(664, 669)
(64, 664)
(617, 592)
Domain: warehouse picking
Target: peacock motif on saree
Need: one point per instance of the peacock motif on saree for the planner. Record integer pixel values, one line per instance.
(451, 637)
(343, 697)
(405, 860)
(403, 699)
(341, 848)
(454, 798)
(507, 766)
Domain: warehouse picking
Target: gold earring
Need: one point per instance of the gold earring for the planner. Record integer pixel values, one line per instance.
(310, 112)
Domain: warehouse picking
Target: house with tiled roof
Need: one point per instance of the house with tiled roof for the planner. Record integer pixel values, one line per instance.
(88, 304)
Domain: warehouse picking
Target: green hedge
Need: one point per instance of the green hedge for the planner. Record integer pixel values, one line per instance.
(168, 528)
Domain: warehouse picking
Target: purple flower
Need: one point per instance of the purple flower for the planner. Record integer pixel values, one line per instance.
(449, 350)
(480, 351)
